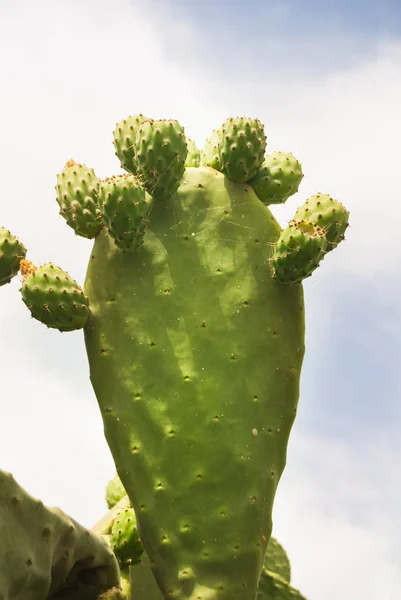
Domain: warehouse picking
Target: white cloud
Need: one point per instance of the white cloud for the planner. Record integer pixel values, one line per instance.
(71, 71)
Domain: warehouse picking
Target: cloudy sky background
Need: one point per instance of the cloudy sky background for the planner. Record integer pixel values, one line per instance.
(325, 78)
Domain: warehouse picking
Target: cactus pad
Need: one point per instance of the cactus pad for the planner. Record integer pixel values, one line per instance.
(124, 138)
(55, 299)
(242, 145)
(274, 587)
(298, 251)
(11, 253)
(278, 178)
(276, 560)
(188, 412)
(328, 213)
(114, 491)
(160, 154)
(193, 156)
(124, 538)
(46, 554)
(77, 195)
(125, 210)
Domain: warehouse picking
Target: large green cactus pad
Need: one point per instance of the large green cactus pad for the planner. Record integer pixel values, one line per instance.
(195, 354)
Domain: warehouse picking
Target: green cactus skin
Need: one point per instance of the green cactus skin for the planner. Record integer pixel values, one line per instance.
(126, 208)
(160, 153)
(278, 178)
(276, 560)
(274, 587)
(242, 145)
(195, 354)
(11, 254)
(55, 299)
(77, 195)
(210, 156)
(114, 491)
(328, 213)
(298, 252)
(193, 156)
(124, 538)
(124, 138)
(44, 553)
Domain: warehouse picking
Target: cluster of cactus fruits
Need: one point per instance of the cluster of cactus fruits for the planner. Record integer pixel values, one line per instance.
(193, 318)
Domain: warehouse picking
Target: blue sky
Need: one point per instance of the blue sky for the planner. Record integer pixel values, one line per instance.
(326, 82)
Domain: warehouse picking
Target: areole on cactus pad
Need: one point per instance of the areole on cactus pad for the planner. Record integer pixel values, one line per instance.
(193, 318)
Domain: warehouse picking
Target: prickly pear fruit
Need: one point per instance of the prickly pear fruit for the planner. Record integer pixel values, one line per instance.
(193, 156)
(77, 195)
(276, 560)
(210, 156)
(160, 154)
(274, 587)
(324, 211)
(125, 210)
(124, 138)
(46, 554)
(242, 145)
(298, 251)
(278, 178)
(197, 429)
(124, 538)
(114, 491)
(54, 298)
(11, 253)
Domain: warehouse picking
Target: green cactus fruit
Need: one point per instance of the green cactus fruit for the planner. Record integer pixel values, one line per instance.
(197, 429)
(242, 145)
(276, 560)
(114, 491)
(11, 253)
(46, 554)
(124, 538)
(274, 587)
(193, 156)
(210, 156)
(125, 210)
(53, 297)
(112, 594)
(278, 178)
(77, 195)
(298, 251)
(160, 154)
(328, 213)
(124, 138)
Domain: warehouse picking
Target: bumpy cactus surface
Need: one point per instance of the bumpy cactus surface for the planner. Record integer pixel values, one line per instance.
(51, 554)
(195, 340)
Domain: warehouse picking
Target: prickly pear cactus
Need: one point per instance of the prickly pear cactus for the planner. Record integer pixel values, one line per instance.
(11, 253)
(195, 345)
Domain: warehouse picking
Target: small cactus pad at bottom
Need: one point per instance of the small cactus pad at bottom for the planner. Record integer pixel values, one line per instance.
(11, 253)
(55, 299)
(274, 587)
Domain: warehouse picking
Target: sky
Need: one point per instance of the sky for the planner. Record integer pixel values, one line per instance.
(325, 79)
